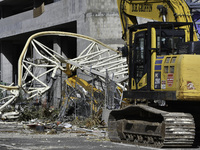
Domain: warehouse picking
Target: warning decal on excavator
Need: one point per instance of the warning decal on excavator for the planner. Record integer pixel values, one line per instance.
(190, 85)
(170, 79)
(157, 76)
(163, 84)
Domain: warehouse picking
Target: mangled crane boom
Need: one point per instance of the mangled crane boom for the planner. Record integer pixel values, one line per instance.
(97, 58)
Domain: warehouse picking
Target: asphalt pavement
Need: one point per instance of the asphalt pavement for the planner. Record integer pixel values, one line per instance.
(14, 136)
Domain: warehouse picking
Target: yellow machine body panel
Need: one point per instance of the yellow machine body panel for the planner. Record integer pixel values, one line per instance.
(178, 73)
(188, 75)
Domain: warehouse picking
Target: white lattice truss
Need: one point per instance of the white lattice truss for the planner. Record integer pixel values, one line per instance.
(97, 58)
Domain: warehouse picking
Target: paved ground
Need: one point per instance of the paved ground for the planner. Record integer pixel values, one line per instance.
(57, 142)
(15, 137)
(11, 141)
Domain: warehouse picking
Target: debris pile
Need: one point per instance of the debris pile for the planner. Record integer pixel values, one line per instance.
(80, 110)
(45, 103)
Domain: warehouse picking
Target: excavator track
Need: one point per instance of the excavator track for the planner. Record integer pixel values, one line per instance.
(147, 126)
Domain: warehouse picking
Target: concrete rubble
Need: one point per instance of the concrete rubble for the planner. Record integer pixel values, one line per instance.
(75, 116)
(35, 126)
(40, 120)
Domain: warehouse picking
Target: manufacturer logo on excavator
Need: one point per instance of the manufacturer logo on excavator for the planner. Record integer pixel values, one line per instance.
(141, 7)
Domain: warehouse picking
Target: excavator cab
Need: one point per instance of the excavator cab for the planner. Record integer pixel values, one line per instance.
(167, 43)
(154, 52)
(167, 40)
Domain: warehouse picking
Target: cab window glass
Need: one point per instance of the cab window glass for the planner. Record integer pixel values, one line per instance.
(139, 55)
(173, 60)
(168, 43)
(140, 49)
(167, 59)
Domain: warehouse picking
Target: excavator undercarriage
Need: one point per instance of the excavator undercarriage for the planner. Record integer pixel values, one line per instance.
(147, 126)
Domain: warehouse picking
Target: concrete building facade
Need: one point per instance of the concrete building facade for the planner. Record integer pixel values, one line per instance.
(96, 18)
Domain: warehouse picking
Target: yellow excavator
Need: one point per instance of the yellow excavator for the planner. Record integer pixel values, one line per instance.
(163, 95)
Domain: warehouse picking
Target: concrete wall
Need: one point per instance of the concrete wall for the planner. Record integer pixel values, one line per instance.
(55, 14)
(104, 21)
(100, 21)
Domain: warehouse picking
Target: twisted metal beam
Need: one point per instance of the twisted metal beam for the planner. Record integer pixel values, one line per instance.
(97, 58)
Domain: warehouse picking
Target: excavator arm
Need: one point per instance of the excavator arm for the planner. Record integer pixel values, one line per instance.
(157, 10)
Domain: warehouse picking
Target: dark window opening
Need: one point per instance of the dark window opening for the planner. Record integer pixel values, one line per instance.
(139, 55)
(13, 7)
(168, 41)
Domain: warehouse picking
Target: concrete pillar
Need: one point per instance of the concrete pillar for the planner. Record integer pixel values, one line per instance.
(105, 115)
(1, 12)
(6, 62)
(57, 87)
(37, 71)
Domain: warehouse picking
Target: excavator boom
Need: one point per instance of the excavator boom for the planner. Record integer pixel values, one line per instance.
(156, 10)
